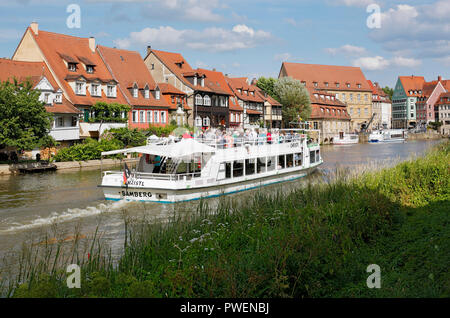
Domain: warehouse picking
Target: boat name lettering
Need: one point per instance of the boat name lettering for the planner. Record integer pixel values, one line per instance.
(135, 183)
(136, 194)
(294, 144)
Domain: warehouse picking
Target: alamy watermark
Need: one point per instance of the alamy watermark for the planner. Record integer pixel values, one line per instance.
(374, 279)
(74, 279)
(374, 20)
(74, 19)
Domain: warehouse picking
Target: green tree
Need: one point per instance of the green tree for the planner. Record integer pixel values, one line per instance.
(295, 99)
(268, 86)
(389, 91)
(24, 122)
(128, 137)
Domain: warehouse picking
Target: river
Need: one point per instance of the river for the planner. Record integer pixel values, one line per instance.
(58, 203)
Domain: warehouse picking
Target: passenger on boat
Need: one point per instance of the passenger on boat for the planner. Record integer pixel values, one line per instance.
(157, 163)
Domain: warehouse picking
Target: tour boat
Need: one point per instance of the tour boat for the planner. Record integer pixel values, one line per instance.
(390, 135)
(191, 169)
(345, 139)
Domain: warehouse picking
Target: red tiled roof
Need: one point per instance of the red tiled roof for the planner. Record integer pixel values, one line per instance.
(412, 83)
(167, 88)
(34, 72)
(54, 46)
(216, 82)
(129, 69)
(240, 83)
(266, 97)
(331, 74)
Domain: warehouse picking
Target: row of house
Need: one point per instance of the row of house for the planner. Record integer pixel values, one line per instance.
(416, 103)
(73, 74)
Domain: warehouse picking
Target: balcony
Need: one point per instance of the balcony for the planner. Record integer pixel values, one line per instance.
(97, 129)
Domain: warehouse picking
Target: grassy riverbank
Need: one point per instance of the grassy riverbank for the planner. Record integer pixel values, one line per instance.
(316, 241)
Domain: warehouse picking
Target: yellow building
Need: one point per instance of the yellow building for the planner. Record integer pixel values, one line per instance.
(346, 83)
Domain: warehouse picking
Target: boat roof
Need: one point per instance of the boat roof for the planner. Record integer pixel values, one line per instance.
(185, 147)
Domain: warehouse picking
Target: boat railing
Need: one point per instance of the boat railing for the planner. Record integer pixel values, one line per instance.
(228, 141)
(157, 176)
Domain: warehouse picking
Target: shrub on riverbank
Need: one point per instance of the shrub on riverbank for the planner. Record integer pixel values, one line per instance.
(313, 242)
(89, 149)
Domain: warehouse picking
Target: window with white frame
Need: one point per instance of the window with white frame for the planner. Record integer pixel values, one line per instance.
(147, 93)
(111, 91)
(80, 88)
(206, 100)
(206, 121)
(198, 121)
(135, 92)
(163, 117)
(95, 89)
(156, 116)
(89, 69)
(157, 94)
(58, 98)
(149, 116)
(141, 116)
(198, 99)
(135, 115)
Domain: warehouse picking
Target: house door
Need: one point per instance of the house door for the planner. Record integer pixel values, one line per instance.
(86, 115)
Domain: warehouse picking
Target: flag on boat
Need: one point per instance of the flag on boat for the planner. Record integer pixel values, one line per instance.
(126, 174)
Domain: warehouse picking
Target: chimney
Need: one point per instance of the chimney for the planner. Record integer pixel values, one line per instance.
(439, 78)
(214, 69)
(92, 44)
(34, 27)
(254, 81)
(149, 49)
(376, 84)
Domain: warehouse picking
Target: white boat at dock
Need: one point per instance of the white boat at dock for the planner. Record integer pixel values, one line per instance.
(345, 139)
(388, 135)
(191, 169)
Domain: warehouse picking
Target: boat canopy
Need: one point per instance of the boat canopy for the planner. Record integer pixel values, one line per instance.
(184, 148)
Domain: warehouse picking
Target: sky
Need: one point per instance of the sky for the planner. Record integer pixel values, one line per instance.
(252, 38)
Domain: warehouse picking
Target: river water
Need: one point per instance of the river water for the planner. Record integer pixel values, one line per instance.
(64, 202)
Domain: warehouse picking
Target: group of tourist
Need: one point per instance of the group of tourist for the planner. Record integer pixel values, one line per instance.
(237, 137)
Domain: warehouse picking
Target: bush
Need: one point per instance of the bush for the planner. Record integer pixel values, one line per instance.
(128, 137)
(90, 149)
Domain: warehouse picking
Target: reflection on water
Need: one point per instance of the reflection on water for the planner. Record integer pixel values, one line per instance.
(35, 203)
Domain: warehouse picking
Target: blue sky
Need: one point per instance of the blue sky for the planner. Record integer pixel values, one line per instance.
(251, 38)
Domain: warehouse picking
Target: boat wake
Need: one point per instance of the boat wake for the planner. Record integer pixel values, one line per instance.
(67, 215)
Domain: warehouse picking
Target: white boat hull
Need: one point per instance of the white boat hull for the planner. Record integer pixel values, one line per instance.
(141, 194)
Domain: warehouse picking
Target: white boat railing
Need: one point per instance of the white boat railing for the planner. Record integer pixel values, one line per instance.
(157, 176)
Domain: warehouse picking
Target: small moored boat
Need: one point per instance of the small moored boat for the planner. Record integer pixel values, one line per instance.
(191, 169)
(390, 135)
(345, 139)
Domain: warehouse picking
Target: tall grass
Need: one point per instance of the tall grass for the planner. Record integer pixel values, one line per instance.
(275, 245)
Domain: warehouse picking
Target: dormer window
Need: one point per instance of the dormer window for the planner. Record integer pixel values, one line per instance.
(326, 84)
(146, 93)
(157, 94)
(239, 90)
(180, 64)
(95, 89)
(359, 85)
(315, 84)
(348, 85)
(135, 92)
(89, 69)
(337, 85)
(58, 98)
(111, 91)
(72, 67)
(304, 83)
(195, 80)
(202, 82)
(253, 93)
(80, 88)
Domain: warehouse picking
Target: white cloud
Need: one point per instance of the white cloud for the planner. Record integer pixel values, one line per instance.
(406, 62)
(377, 63)
(421, 31)
(371, 63)
(347, 49)
(209, 39)
(354, 3)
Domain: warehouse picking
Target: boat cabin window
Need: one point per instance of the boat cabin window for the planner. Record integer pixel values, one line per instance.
(238, 168)
(224, 171)
(289, 160)
(271, 163)
(298, 159)
(312, 156)
(281, 162)
(249, 166)
(261, 165)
